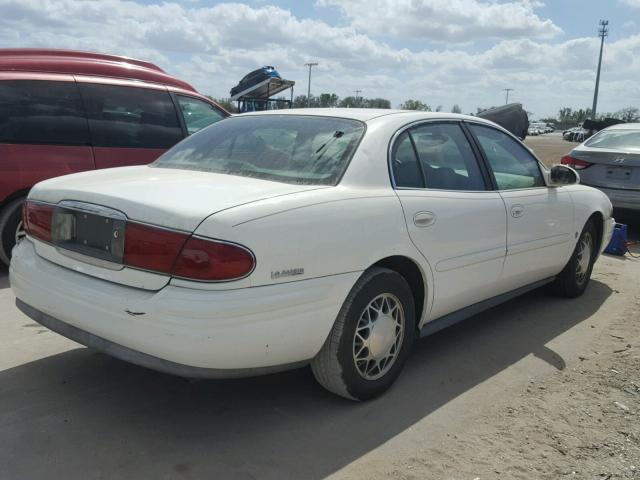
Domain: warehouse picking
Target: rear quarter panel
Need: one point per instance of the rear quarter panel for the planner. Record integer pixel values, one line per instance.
(316, 233)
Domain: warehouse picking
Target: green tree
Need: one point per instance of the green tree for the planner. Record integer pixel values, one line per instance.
(456, 109)
(628, 114)
(377, 103)
(415, 105)
(328, 100)
(225, 103)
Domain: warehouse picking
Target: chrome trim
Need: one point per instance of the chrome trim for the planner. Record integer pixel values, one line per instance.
(92, 208)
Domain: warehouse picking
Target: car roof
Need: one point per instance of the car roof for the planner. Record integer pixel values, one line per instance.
(86, 63)
(624, 126)
(367, 114)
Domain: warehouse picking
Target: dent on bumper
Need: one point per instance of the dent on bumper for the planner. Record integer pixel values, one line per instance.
(179, 328)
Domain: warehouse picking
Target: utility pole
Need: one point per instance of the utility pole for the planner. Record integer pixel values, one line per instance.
(310, 64)
(357, 92)
(507, 90)
(603, 31)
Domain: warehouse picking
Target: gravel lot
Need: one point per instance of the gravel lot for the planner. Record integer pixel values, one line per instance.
(539, 387)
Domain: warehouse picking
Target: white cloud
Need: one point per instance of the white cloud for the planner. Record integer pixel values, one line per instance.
(631, 3)
(446, 20)
(213, 47)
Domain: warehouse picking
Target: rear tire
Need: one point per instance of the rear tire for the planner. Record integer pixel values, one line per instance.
(371, 338)
(10, 226)
(574, 278)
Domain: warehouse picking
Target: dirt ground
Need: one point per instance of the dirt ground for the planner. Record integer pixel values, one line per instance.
(550, 147)
(537, 388)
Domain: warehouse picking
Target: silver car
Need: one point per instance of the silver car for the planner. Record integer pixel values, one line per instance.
(610, 161)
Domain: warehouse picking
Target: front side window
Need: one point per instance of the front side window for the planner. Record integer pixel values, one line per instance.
(130, 116)
(42, 112)
(197, 114)
(285, 148)
(512, 165)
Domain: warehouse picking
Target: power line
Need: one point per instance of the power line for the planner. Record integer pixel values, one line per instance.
(603, 31)
(310, 64)
(507, 90)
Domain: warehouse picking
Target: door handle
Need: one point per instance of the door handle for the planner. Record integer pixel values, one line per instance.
(424, 219)
(517, 211)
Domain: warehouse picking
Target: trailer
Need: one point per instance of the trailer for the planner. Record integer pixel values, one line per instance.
(258, 97)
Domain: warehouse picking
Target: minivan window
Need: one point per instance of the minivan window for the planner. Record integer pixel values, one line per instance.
(284, 148)
(42, 112)
(197, 114)
(130, 116)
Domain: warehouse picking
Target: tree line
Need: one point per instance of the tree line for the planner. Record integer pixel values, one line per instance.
(567, 117)
(331, 100)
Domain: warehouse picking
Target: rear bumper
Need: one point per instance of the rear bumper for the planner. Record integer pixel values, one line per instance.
(620, 198)
(199, 333)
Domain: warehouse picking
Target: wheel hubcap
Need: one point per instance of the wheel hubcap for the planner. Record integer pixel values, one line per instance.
(585, 247)
(378, 336)
(20, 233)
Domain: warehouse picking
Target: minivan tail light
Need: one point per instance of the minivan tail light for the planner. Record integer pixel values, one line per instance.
(36, 220)
(213, 260)
(575, 162)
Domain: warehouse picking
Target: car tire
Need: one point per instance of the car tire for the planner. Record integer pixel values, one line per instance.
(10, 222)
(574, 278)
(371, 338)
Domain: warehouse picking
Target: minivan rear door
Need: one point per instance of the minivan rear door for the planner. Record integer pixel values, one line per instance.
(129, 124)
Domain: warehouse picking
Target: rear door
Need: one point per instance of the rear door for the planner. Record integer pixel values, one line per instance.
(540, 218)
(129, 125)
(43, 130)
(452, 217)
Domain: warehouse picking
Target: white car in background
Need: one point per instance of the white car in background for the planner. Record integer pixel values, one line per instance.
(324, 237)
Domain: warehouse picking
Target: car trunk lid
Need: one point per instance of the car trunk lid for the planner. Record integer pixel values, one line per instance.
(92, 211)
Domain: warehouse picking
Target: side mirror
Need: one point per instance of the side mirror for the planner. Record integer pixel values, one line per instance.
(560, 175)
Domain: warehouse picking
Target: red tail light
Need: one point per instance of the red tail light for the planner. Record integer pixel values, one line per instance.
(574, 162)
(152, 248)
(160, 250)
(210, 260)
(181, 255)
(36, 218)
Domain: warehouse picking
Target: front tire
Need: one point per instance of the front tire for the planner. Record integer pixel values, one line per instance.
(371, 338)
(10, 228)
(574, 278)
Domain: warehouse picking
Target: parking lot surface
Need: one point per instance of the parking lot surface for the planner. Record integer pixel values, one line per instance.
(539, 387)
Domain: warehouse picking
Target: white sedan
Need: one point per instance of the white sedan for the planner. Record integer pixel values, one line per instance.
(325, 237)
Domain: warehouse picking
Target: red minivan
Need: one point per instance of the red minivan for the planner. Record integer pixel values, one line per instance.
(65, 111)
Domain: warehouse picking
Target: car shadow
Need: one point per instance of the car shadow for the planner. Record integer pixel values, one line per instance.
(4, 277)
(81, 413)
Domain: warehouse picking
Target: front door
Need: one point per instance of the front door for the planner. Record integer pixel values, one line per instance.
(456, 223)
(540, 218)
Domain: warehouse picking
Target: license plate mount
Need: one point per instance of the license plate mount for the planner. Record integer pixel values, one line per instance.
(619, 173)
(94, 233)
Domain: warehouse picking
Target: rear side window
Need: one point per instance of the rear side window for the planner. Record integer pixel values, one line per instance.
(197, 114)
(445, 159)
(130, 117)
(42, 112)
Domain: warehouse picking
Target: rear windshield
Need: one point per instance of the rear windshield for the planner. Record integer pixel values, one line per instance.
(284, 148)
(616, 139)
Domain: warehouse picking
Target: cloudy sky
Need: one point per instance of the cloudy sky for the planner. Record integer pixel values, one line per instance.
(439, 51)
